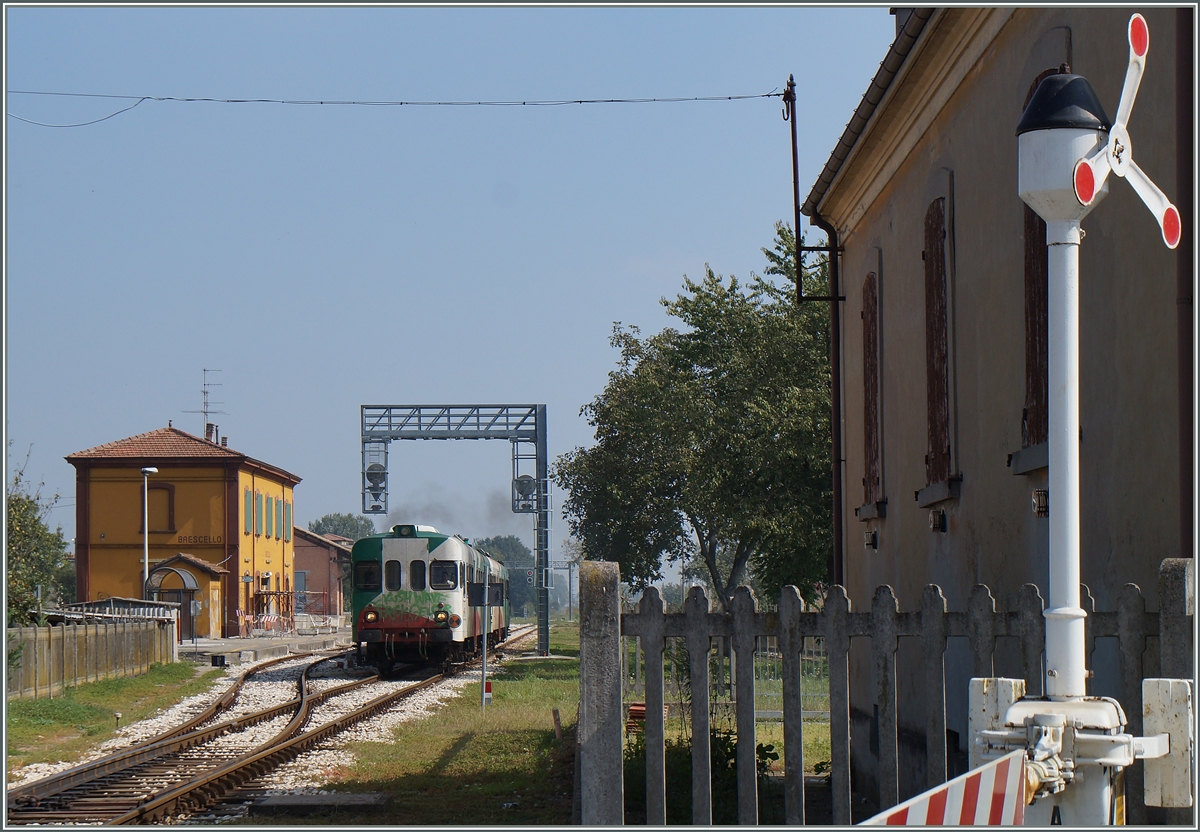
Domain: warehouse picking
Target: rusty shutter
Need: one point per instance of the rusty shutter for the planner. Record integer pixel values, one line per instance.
(937, 387)
(1034, 415)
(870, 315)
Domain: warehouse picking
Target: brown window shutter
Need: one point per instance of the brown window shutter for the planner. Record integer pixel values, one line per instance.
(872, 487)
(937, 460)
(1034, 416)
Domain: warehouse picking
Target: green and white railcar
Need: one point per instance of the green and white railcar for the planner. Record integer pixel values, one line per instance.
(410, 597)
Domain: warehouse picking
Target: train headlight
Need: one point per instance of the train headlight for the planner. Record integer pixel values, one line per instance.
(441, 616)
(371, 617)
(455, 621)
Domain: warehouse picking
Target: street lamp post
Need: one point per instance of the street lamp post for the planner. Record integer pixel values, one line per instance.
(146, 472)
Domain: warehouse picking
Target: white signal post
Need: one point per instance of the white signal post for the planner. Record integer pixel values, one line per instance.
(1075, 746)
(487, 626)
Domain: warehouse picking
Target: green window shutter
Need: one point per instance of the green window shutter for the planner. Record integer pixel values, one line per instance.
(270, 514)
(258, 512)
(287, 521)
(249, 510)
(278, 518)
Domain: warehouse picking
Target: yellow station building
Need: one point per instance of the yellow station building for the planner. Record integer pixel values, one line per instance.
(220, 536)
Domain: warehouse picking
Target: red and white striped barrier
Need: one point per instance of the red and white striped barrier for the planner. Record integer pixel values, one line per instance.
(991, 795)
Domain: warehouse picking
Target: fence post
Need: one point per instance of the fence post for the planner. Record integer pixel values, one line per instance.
(744, 638)
(1132, 630)
(1177, 601)
(884, 611)
(650, 611)
(37, 661)
(836, 624)
(791, 643)
(602, 800)
(699, 643)
(933, 637)
(981, 630)
(1031, 630)
(1177, 607)
(52, 666)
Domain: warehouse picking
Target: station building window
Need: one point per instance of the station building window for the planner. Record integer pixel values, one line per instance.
(258, 512)
(248, 511)
(278, 519)
(160, 507)
(270, 514)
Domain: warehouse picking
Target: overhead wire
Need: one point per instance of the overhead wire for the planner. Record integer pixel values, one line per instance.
(356, 103)
(81, 124)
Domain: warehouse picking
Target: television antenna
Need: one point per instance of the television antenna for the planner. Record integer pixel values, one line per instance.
(206, 405)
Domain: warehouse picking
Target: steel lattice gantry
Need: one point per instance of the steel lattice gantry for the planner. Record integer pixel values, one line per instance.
(518, 423)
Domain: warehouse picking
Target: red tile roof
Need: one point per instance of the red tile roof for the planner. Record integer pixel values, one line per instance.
(325, 539)
(158, 444)
(199, 563)
(171, 444)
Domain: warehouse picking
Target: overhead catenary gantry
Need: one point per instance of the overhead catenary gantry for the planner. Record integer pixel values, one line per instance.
(523, 425)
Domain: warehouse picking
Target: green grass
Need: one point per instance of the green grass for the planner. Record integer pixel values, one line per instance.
(64, 728)
(462, 765)
(817, 752)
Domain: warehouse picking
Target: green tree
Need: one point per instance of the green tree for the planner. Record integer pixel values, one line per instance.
(34, 555)
(517, 557)
(347, 525)
(712, 440)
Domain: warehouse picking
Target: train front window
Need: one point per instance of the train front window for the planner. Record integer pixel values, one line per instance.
(417, 575)
(443, 574)
(391, 575)
(367, 576)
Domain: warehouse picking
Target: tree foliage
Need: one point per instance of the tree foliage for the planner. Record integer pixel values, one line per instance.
(352, 526)
(34, 555)
(712, 439)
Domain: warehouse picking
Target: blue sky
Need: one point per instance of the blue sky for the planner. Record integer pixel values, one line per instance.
(324, 257)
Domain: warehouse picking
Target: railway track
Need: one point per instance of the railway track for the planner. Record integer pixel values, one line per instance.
(193, 766)
(145, 749)
(207, 760)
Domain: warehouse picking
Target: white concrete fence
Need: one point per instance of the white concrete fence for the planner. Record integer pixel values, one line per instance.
(603, 624)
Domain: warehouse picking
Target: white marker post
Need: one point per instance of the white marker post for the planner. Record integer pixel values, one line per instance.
(487, 624)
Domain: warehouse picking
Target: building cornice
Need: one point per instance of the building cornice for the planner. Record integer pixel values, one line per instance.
(948, 49)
